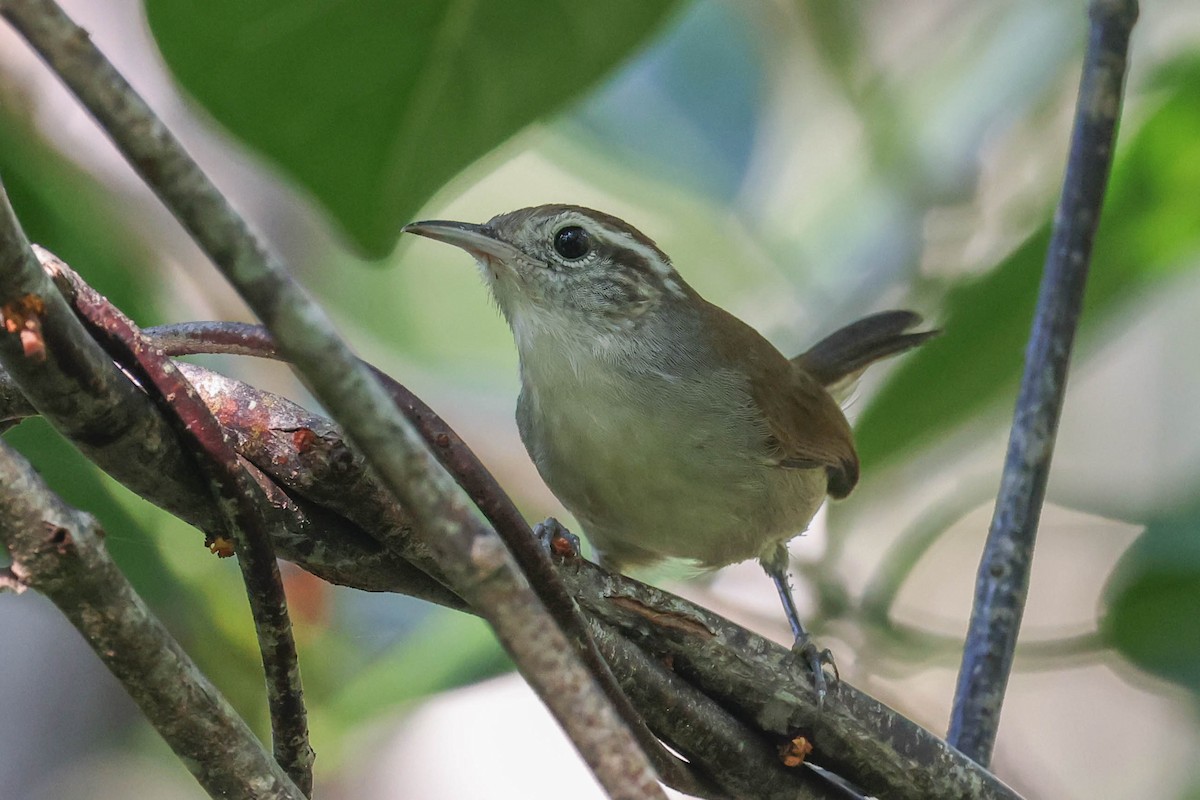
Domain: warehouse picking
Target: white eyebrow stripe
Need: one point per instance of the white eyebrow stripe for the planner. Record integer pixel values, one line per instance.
(659, 263)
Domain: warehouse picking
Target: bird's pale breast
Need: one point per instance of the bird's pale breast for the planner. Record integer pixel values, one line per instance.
(658, 467)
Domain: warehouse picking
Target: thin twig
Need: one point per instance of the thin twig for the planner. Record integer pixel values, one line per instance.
(897, 649)
(58, 551)
(240, 500)
(211, 338)
(473, 558)
(1003, 578)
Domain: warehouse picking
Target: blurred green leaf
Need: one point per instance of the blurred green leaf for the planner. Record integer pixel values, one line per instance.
(451, 649)
(374, 105)
(1154, 600)
(1149, 229)
(67, 210)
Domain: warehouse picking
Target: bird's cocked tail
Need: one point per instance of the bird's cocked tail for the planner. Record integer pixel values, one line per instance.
(838, 360)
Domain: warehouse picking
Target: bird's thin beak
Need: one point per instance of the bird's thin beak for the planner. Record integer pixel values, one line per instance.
(478, 240)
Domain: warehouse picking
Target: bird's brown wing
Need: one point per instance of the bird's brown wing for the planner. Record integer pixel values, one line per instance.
(805, 427)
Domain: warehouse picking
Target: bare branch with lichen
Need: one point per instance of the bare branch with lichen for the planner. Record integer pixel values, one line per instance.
(238, 497)
(59, 552)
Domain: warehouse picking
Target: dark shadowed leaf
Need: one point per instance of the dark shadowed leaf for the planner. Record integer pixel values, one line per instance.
(373, 105)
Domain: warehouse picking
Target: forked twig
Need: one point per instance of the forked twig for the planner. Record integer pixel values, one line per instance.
(239, 498)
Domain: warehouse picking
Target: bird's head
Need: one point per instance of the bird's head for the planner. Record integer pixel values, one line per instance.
(552, 266)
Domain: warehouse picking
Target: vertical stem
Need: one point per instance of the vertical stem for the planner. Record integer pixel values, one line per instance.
(1003, 579)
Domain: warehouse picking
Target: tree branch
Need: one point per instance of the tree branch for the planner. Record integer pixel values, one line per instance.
(471, 555)
(854, 735)
(1003, 578)
(861, 739)
(735, 756)
(239, 499)
(59, 552)
(324, 543)
(372, 508)
(73, 383)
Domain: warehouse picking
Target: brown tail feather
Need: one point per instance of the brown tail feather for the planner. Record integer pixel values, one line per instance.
(841, 357)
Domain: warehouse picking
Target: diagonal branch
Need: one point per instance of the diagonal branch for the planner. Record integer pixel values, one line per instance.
(49, 364)
(757, 680)
(740, 759)
(472, 557)
(59, 551)
(371, 508)
(239, 499)
(1003, 578)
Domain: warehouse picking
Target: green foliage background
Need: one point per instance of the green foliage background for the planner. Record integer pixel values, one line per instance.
(373, 113)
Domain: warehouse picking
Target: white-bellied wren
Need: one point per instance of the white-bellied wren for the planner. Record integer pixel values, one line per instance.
(667, 426)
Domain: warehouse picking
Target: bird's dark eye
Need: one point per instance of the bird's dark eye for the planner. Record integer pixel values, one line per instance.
(572, 242)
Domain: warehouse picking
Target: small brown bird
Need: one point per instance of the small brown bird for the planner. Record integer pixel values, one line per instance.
(667, 426)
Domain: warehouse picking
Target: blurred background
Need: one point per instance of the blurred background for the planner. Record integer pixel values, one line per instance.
(804, 163)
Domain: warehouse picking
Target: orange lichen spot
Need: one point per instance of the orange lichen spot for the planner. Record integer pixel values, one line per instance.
(220, 546)
(225, 409)
(22, 318)
(303, 440)
(793, 753)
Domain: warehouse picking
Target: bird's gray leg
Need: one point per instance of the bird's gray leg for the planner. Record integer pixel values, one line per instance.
(803, 647)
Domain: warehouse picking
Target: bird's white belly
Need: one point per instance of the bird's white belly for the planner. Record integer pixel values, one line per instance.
(666, 473)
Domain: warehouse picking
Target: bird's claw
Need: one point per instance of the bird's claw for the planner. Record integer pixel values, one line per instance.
(557, 540)
(816, 660)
